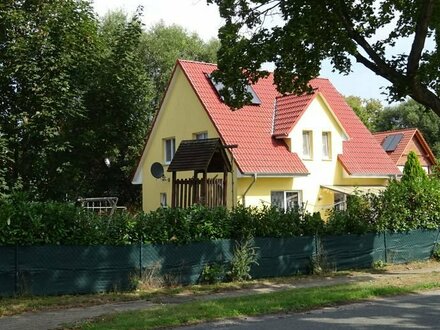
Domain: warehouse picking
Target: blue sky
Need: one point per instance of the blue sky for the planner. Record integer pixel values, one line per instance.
(196, 16)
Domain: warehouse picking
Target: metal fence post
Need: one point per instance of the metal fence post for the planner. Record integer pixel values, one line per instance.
(140, 260)
(385, 246)
(16, 271)
(316, 238)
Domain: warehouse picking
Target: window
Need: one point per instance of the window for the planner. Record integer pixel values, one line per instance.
(201, 136)
(255, 100)
(163, 200)
(285, 200)
(170, 149)
(326, 145)
(307, 144)
(340, 202)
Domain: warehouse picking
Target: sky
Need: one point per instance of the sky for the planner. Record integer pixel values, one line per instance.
(196, 16)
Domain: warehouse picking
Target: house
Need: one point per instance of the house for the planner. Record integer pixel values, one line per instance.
(398, 144)
(310, 150)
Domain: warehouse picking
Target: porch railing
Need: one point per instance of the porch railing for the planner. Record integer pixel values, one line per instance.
(189, 191)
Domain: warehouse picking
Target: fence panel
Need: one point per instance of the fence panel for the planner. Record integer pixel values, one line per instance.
(184, 263)
(410, 246)
(48, 270)
(282, 256)
(7, 270)
(352, 251)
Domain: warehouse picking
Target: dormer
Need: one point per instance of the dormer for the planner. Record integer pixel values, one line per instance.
(309, 126)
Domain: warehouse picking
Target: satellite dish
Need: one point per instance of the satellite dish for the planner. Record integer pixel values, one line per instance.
(157, 170)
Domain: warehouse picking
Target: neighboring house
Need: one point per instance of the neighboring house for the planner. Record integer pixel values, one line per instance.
(310, 150)
(399, 143)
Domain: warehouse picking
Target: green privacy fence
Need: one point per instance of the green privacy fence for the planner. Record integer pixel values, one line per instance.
(49, 270)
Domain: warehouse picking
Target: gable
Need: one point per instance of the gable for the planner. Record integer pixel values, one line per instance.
(319, 108)
(411, 140)
(180, 116)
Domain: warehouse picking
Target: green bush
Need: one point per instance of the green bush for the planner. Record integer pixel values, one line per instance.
(359, 217)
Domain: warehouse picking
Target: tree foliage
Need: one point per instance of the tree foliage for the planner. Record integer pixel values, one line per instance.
(413, 171)
(310, 31)
(76, 90)
(368, 110)
(117, 99)
(45, 48)
(162, 45)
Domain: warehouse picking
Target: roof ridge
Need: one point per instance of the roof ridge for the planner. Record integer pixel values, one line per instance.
(195, 62)
(396, 131)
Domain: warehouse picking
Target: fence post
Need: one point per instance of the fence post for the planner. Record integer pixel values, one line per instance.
(385, 246)
(316, 238)
(16, 270)
(140, 260)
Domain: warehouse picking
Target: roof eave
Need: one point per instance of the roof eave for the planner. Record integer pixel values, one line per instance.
(275, 175)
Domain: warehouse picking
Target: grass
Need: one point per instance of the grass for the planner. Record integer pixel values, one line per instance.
(293, 300)
(20, 304)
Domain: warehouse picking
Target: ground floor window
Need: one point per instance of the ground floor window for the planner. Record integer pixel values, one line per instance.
(163, 200)
(340, 203)
(285, 200)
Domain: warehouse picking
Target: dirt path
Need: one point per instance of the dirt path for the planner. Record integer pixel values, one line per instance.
(55, 319)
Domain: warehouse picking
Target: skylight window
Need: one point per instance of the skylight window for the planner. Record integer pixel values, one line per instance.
(219, 86)
(391, 141)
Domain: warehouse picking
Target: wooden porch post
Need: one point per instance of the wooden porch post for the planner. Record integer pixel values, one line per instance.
(195, 191)
(173, 191)
(204, 189)
(225, 186)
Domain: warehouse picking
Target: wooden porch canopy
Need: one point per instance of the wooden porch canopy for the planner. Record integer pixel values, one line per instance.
(200, 156)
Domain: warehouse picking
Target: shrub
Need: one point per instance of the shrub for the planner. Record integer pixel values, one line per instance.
(358, 218)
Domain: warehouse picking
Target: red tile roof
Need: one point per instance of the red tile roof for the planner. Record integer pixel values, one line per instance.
(251, 127)
(408, 135)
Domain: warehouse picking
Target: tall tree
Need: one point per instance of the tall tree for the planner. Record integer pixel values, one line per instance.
(162, 45)
(412, 170)
(342, 31)
(44, 52)
(110, 135)
(366, 109)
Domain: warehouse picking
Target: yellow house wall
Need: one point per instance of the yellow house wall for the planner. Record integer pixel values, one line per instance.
(181, 116)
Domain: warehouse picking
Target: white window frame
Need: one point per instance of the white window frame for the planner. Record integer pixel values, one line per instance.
(163, 200)
(285, 199)
(326, 145)
(201, 136)
(340, 201)
(307, 143)
(172, 151)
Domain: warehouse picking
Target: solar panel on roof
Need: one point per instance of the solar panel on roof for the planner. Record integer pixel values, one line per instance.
(219, 86)
(391, 141)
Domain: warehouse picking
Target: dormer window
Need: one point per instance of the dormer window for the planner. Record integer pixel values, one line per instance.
(326, 145)
(219, 86)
